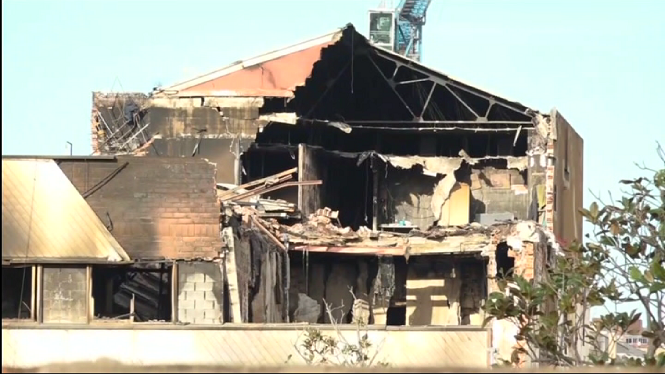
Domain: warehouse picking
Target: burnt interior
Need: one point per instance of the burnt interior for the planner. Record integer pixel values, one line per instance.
(149, 285)
(392, 108)
(263, 160)
(17, 291)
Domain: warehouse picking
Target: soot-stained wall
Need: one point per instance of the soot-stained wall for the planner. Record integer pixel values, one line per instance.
(65, 294)
(156, 207)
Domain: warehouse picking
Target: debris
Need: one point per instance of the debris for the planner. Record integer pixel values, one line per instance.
(231, 195)
(267, 181)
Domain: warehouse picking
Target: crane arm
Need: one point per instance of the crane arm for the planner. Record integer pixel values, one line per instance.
(413, 10)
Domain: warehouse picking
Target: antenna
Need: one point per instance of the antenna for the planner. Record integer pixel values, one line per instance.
(70, 147)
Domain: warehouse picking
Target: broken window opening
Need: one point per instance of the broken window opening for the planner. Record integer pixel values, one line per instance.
(148, 287)
(505, 264)
(17, 292)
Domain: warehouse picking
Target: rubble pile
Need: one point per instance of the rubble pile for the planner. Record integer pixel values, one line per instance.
(323, 229)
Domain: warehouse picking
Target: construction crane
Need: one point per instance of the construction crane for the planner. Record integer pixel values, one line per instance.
(399, 29)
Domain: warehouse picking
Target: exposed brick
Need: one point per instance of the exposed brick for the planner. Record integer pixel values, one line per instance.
(212, 314)
(185, 304)
(210, 295)
(205, 304)
(195, 295)
(153, 201)
(195, 314)
(187, 286)
(205, 286)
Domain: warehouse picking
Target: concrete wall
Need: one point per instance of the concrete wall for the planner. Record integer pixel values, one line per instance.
(229, 117)
(498, 191)
(237, 345)
(216, 151)
(568, 180)
(65, 294)
(200, 293)
(408, 194)
(230, 125)
(156, 207)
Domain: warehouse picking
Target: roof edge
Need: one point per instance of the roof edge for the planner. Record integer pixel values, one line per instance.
(329, 37)
(63, 260)
(57, 157)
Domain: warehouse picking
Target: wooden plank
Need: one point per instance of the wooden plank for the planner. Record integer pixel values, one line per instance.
(33, 292)
(274, 188)
(40, 293)
(257, 182)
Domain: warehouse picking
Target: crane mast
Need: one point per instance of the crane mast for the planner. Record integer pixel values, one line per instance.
(399, 29)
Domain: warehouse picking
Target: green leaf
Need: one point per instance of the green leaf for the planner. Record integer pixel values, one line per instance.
(657, 287)
(658, 270)
(593, 209)
(636, 274)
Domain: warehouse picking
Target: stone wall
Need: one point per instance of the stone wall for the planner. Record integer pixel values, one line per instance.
(200, 293)
(65, 295)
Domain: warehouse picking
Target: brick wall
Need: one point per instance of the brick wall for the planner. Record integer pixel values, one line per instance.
(156, 207)
(524, 260)
(65, 295)
(200, 293)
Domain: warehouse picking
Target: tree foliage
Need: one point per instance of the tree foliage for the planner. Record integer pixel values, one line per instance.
(621, 261)
(336, 348)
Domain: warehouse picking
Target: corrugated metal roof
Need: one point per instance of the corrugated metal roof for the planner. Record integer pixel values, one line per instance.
(45, 219)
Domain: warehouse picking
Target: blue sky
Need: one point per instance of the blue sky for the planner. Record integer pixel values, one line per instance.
(601, 63)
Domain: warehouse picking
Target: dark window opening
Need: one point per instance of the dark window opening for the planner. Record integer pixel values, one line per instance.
(17, 290)
(260, 162)
(148, 288)
(396, 316)
(504, 263)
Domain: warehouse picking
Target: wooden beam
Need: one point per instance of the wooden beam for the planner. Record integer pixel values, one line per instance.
(275, 188)
(33, 294)
(267, 232)
(257, 182)
(40, 293)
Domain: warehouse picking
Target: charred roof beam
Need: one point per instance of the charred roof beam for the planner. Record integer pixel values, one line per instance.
(391, 84)
(448, 83)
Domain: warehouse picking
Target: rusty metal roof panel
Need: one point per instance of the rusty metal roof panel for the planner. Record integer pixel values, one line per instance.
(293, 64)
(44, 218)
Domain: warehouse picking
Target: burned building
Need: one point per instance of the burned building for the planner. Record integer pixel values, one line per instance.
(403, 152)
(331, 180)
